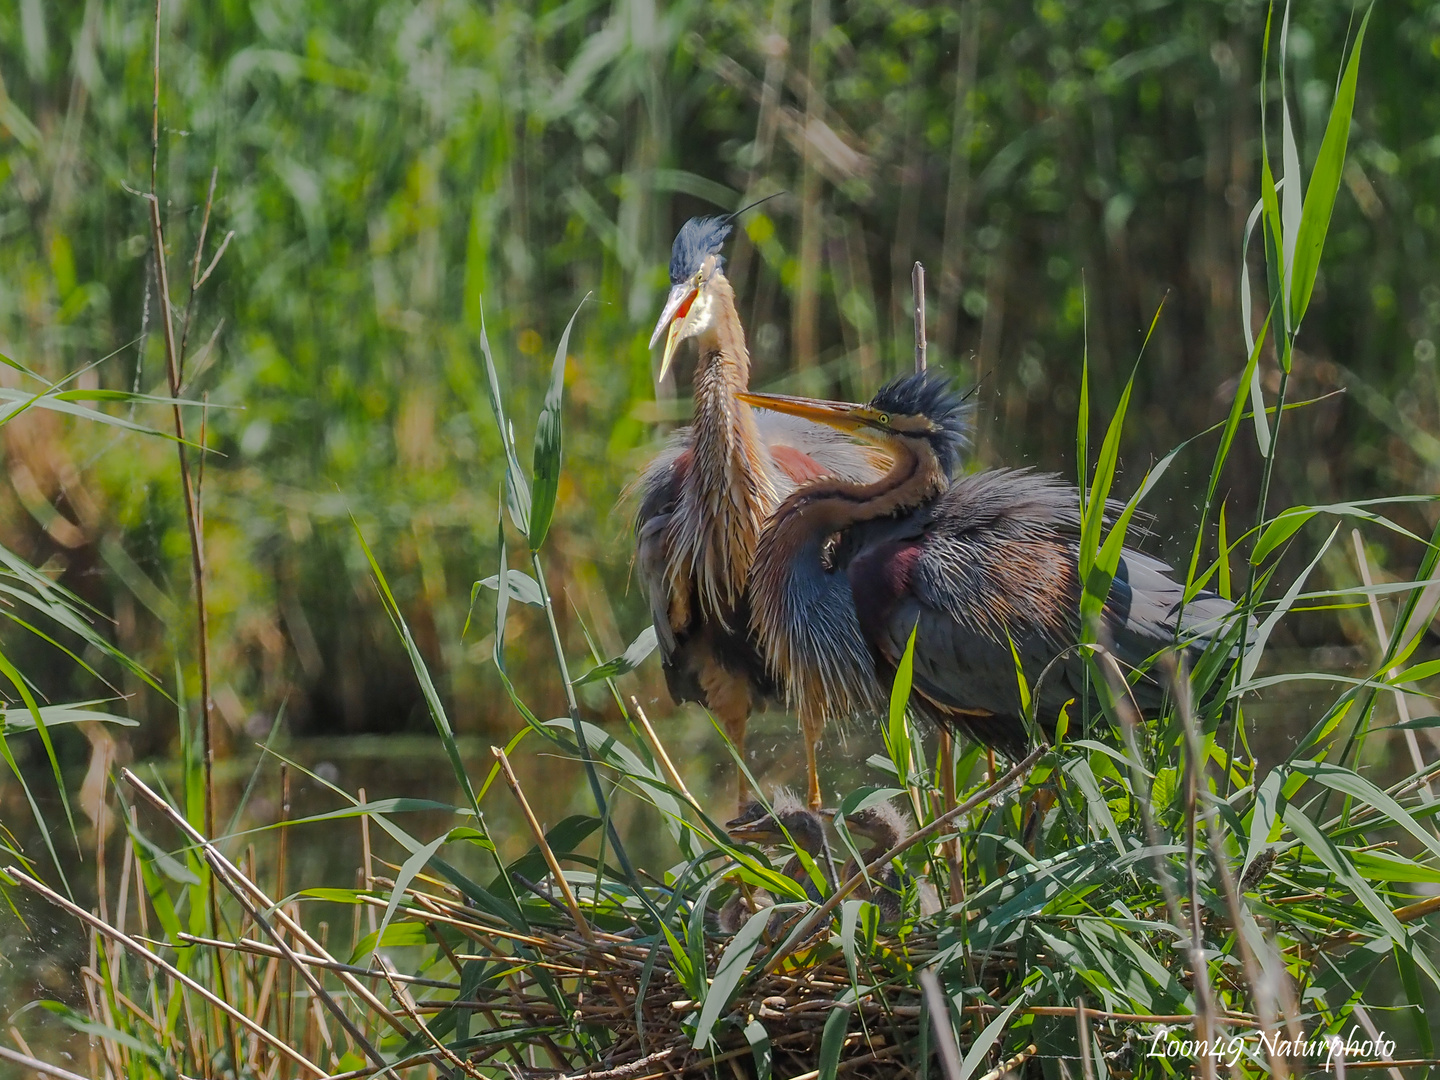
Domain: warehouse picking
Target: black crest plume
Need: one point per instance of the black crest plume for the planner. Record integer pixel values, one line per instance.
(936, 397)
(697, 238)
(702, 236)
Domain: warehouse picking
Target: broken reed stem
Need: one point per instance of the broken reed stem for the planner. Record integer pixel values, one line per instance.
(813, 919)
(917, 283)
(36, 1065)
(540, 842)
(175, 973)
(672, 774)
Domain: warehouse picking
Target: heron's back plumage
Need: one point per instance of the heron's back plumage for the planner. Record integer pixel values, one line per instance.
(990, 563)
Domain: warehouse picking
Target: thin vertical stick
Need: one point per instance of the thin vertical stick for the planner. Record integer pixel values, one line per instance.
(917, 282)
(940, 1021)
(174, 369)
(1082, 1036)
(1199, 965)
(369, 881)
(946, 756)
(284, 1009)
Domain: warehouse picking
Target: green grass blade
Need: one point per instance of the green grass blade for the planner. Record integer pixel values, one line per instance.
(412, 866)
(1256, 649)
(1345, 873)
(1353, 784)
(986, 1040)
(832, 1041)
(549, 442)
(12, 673)
(422, 672)
(643, 645)
(517, 493)
(759, 1040)
(897, 731)
(728, 972)
(1289, 195)
(1324, 184)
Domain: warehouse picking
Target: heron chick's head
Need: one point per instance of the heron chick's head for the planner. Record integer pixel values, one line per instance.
(790, 823)
(923, 408)
(881, 823)
(695, 261)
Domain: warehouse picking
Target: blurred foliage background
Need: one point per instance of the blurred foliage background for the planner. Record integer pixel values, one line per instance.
(385, 166)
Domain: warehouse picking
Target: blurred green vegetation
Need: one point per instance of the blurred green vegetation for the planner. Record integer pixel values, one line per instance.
(1059, 166)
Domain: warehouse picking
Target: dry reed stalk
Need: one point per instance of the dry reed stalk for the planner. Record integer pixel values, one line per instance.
(671, 773)
(253, 899)
(940, 1014)
(259, 948)
(539, 834)
(175, 973)
(239, 885)
(36, 1065)
(1013, 1063)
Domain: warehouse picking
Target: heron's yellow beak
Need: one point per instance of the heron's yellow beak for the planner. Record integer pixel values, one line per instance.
(672, 320)
(841, 415)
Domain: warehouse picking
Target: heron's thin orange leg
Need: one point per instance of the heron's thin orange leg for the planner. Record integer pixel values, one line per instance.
(735, 731)
(812, 727)
(729, 699)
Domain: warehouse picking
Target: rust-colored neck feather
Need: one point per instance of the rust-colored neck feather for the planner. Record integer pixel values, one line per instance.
(729, 492)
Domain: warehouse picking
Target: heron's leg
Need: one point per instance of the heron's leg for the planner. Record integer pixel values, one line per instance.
(729, 698)
(735, 731)
(811, 728)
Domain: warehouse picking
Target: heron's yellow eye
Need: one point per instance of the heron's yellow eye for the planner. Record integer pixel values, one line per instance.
(883, 418)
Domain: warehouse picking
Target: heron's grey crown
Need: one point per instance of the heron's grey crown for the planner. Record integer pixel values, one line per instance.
(698, 238)
(934, 396)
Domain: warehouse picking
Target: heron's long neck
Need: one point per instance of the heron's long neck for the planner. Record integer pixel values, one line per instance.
(802, 613)
(818, 509)
(731, 493)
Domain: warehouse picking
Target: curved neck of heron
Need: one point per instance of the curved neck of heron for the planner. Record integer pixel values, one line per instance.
(826, 506)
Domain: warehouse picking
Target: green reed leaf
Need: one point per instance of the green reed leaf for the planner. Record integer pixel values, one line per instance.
(549, 441)
(1324, 184)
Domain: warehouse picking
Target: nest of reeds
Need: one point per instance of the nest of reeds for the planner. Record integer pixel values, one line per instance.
(581, 985)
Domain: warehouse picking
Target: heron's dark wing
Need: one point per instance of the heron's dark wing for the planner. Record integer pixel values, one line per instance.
(994, 562)
(658, 490)
(987, 564)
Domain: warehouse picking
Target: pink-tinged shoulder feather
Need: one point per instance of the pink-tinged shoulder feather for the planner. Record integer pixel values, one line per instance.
(799, 466)
(879, 577)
